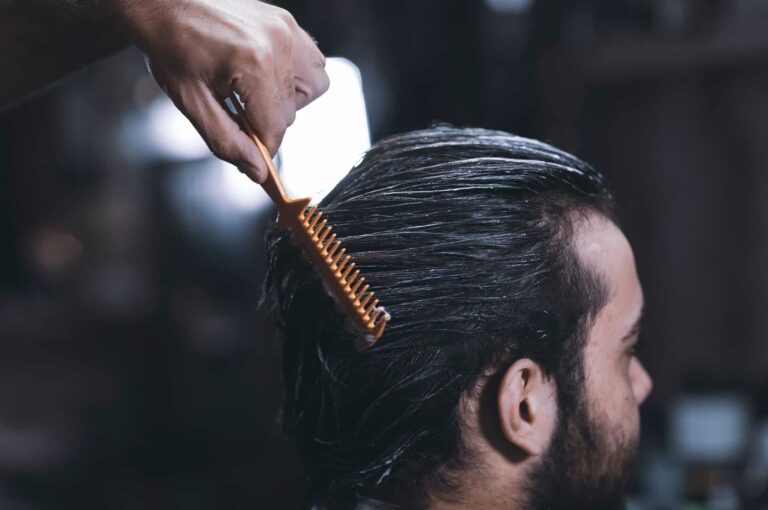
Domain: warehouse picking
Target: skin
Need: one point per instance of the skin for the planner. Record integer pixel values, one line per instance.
(509, 449)
(199, 51)
(617, 383)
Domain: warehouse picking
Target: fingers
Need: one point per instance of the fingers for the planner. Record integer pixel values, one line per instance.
(311, 80)
(266, 107)
(223, 135)
(275, 71)
(263, 80)
(274, 80)
(298, 77)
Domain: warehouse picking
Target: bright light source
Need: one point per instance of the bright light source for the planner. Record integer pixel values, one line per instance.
(166, 133)
(711, 429)
(169, 133)
(240, 191)
(214, 201)
(328, 137)
(509, 6)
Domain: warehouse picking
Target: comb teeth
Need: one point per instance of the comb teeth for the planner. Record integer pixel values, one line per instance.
(327, 243)
(308, 214)
(320, 246)
(338, 256)
(366, 299)
(370, 307)
(321, 238)
(347, 271)
(360, 294)
(342, 278)
(358, 283)
(333, 248)
(313, 221)
(380, 327)
(343, 263)
(376, 313)
(350, 281)
(319, 229)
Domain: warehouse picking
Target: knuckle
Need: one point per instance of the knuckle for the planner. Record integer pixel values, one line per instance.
(290, 117)
(324, 83)
(177, 95)
(242, 54)
(274, 144)
(319, 85)
(221, 148)
(263, 56)
(286, 17)
(226, 82)
(281, 33)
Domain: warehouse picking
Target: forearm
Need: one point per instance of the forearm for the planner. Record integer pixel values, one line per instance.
(44, 40)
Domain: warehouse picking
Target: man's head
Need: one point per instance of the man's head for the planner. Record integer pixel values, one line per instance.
(506, 375)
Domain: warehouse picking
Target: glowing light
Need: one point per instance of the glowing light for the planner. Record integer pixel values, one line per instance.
(167, 134)
(240, 191)
(170, 134)
(509, 6)
(328, 137)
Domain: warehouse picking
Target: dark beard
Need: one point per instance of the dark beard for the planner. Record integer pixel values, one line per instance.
(586, 466)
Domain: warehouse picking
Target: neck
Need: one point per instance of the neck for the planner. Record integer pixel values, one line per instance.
(495, 484)
(494, 476)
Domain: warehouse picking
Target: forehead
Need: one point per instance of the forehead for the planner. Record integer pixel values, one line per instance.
(602, 246)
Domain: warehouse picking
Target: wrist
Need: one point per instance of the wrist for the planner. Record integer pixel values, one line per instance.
(137, 17)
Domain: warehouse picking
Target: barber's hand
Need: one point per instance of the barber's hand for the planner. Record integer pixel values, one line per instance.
(200, 51)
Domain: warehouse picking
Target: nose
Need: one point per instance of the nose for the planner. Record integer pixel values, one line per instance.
(641, 381)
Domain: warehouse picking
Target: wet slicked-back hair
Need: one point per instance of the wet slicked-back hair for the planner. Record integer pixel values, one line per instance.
(465, 235)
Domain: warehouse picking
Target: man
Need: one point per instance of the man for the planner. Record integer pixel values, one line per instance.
(507, 376)
(200, 52)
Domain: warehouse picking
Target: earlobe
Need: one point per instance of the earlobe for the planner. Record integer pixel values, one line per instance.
(527, 407)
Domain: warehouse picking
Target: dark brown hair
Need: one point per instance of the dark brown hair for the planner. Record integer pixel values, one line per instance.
(465, 235)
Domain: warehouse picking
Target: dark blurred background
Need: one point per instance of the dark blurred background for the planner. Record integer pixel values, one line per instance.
(136, 370)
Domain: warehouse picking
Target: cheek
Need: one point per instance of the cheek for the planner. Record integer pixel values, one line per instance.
(611, 392)
(631, 403)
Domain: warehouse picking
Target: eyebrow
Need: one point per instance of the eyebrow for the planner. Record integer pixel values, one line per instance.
(635, 329)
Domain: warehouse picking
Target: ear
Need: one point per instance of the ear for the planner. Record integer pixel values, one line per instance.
(527, 406)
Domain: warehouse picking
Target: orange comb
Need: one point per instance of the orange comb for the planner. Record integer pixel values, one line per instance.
(337, 270)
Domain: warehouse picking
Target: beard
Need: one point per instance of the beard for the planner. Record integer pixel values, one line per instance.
(586, 466)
